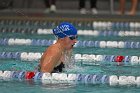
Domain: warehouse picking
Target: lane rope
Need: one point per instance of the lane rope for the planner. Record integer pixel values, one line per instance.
(45, 42)
(95, 79)
(40, 31)
(110, 59)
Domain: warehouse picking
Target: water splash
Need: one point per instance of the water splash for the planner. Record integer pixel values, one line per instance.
(70, 64)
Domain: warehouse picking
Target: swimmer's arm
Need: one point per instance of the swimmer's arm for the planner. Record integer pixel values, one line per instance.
(49, 61)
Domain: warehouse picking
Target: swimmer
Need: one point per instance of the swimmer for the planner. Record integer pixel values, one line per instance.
(53, 59)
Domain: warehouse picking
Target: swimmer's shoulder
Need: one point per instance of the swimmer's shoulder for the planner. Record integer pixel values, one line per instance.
(52, 49)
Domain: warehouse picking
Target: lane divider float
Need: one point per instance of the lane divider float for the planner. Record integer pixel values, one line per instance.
(98, 44)
(110, 59)
(52, 78)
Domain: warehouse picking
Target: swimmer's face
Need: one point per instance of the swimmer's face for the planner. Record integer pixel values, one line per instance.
(70, 42)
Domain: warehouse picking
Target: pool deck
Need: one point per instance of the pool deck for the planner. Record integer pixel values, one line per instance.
(68, 14)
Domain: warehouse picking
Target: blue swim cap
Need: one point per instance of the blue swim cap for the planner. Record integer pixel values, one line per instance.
(65, 29)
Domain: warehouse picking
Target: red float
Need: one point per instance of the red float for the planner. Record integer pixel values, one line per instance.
(29, 75)
(119, 58)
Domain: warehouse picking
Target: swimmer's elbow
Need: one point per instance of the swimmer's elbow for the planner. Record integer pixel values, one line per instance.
(45, 70)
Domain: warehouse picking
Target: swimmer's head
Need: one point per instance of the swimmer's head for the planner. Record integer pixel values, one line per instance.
(65, 29)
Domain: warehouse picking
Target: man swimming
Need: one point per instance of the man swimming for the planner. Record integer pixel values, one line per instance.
(53, 59)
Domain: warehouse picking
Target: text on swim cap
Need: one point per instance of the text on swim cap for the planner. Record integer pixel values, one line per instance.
(61, 29)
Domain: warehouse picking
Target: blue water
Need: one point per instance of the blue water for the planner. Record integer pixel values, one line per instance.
(16, 86)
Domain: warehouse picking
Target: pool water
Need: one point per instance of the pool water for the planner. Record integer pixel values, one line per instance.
(29, 86)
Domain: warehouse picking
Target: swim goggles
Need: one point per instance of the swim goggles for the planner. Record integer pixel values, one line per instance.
(73, 37)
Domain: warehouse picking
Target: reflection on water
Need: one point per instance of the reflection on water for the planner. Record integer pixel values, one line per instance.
(120, 70)
(58, 85)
